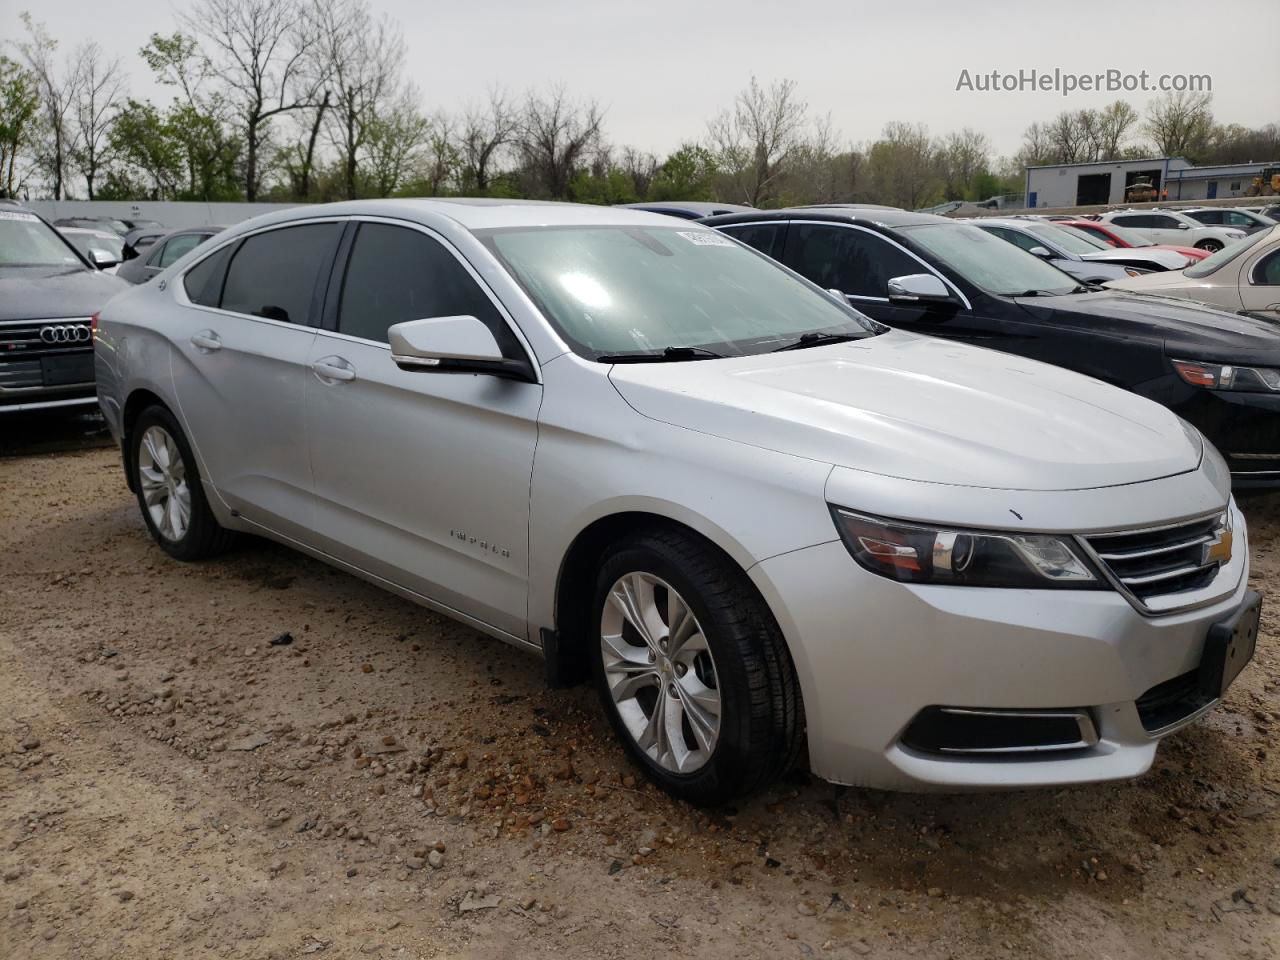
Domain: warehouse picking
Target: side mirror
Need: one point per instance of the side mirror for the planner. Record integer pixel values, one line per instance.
(919, 288)
(1041, 252)
(1184, 226)
(452, 345)
(102, 259)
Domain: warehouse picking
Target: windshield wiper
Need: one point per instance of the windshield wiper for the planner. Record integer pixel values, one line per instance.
(816, 339)
(665, 355)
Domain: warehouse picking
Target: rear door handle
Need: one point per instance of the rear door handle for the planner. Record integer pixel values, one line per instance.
(207, 341)
(333, 369)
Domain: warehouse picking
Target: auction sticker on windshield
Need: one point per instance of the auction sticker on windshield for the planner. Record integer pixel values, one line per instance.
(706, 238)
(10, 215)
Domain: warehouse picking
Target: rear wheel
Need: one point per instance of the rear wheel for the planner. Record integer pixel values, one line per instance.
(692, 669)
(170, 495)
(1213, 246)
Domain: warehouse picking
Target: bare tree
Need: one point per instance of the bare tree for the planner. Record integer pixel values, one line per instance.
(97, 97)
(755, 139)
(259, 49)
(1115, 122)
(962, 156)
(555, 136)
(1180, 124)
(1068, 135)
(396, 144)
(486, 132)
(56, 85)
(903, 166)
(365, 58)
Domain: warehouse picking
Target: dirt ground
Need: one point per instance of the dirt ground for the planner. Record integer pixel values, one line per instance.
(392, 784)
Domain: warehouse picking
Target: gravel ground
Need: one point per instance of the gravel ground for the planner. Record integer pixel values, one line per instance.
(389, 783)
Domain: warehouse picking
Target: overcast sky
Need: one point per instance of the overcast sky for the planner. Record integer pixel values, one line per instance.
(661, 68)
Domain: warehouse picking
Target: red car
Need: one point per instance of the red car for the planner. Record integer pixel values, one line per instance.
(1124, 237)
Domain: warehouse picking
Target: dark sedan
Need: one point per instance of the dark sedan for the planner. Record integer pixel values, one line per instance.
(952, 280)
(688, 209)
(48, 295)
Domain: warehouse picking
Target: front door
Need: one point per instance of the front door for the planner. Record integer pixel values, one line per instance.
(421, 478)
(241, 365)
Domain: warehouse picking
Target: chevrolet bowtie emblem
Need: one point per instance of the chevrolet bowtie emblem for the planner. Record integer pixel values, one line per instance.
(1217, 550)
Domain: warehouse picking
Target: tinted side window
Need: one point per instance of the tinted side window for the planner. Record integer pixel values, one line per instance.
(1014, 237)
(203, 282)
(765, 237)
(273, 274)
(1207, 216)
(1267, 273)
(1234, 219)
(848, 260)
(1139, 221)
(397, 274)
(153, 260)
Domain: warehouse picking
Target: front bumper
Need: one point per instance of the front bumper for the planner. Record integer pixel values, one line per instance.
(1245, 427)
(873, 654)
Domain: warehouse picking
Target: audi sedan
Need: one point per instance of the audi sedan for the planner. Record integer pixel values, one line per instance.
(48, 293)
(760, 522)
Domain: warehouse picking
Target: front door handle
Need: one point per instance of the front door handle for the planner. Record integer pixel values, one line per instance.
(333, 369)
(206, 341)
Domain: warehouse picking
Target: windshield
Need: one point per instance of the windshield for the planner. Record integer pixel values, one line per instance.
(1132, 237)
(86, 243)
(25, 241)
(1067, 241)
(1076, 234)
(1224, 256)
(988, 262)
(613, 290)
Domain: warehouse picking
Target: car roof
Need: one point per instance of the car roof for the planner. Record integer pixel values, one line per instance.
(469, 213)
(90, 231)
(701, 207)
(837, 213)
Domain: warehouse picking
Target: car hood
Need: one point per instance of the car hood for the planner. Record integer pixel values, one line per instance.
(922, 409)
(1165, 258)
(1188, 329)
(37, 293)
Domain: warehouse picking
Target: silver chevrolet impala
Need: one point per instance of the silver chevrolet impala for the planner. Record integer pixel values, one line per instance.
(761, 523)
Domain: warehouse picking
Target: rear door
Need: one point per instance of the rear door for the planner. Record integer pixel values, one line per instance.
(240, 368)
(1260, 285)
(421, 478)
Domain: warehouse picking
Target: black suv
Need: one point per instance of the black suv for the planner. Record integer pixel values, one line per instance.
(931, 275)
(48, 293)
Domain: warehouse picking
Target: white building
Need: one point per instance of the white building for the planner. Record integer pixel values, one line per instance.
(1089, 184)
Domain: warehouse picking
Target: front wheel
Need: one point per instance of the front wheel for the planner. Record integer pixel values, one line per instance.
(170, 495)
(1213, 246)
(692, 669)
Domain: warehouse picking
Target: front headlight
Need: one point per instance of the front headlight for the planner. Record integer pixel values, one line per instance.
(914, 553)
(1217, 376)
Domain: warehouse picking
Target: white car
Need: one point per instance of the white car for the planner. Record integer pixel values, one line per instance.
(1172, 227)
(1243, 278)
(763, 523)
(1241, 219)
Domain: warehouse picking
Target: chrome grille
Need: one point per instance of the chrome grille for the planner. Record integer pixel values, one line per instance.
(23, 340)
(1166, 568)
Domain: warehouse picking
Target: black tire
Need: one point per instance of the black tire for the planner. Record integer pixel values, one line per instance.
(203, 536)
(1213, 246)
(761, 734)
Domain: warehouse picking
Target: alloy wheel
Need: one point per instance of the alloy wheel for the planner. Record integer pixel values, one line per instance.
(163, 476)
(660, 672)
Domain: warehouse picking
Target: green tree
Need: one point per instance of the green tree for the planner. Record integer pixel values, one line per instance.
(18, 103)
(685, 175)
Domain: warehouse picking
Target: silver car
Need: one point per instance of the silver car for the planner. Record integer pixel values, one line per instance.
(761, 523)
